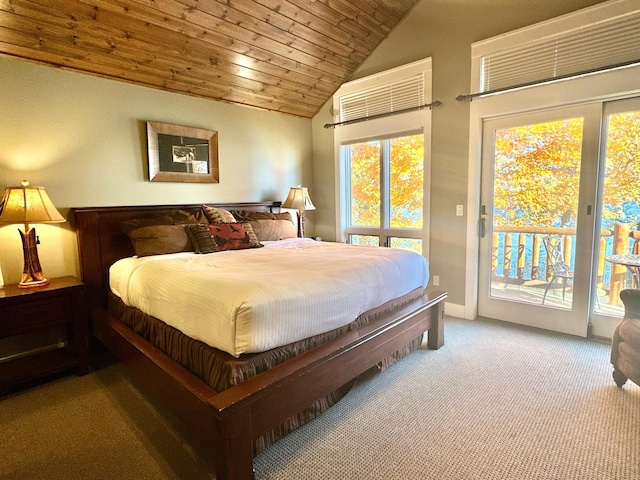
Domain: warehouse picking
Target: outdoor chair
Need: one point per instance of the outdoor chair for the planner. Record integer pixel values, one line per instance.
(625, 345)
(555, 260)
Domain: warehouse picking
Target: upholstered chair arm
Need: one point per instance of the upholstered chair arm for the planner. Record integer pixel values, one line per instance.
(631, 300)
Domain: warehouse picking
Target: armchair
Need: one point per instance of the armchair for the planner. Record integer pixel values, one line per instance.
(625, 345)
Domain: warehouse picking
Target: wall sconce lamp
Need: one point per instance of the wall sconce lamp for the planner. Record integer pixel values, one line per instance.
(27, 205)
(299, 199)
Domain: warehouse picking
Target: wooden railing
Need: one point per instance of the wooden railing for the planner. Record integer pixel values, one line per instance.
(517, 256)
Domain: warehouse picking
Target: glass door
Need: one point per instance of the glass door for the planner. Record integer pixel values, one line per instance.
(539, 178)
(617, 249)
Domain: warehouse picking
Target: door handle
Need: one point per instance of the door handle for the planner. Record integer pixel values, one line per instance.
(482, 228)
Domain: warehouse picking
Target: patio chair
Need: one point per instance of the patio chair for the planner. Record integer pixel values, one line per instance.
(559, 269)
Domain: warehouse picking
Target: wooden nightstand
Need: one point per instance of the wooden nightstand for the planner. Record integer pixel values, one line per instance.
(36, 311)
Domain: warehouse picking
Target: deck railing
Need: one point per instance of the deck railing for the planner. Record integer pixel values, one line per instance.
(518, 255)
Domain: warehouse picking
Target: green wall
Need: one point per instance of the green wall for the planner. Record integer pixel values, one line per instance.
(84, 139)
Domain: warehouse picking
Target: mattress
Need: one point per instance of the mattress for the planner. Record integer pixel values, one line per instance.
(253, 300)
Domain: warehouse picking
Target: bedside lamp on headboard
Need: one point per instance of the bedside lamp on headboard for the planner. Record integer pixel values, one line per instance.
(299, 199)
(27, 205)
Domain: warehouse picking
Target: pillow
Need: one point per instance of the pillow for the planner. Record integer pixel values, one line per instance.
(163, 233)
(230, 236)
(253, 238)
(268, 230)
(174, 217)
(159, 240)
(201, 238)
(248, 215)
(268, 226)
(218, 215)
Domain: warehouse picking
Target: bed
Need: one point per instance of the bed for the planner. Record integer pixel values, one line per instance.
(231, 418)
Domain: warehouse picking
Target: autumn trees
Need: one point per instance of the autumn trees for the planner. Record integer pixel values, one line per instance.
(537, 172)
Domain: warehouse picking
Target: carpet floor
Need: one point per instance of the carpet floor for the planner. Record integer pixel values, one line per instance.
(498, 401)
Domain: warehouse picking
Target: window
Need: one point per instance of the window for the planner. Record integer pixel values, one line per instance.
(385, 191)
(383, 161)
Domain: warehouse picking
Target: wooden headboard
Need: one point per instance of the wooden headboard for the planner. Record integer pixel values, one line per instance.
(101, 241)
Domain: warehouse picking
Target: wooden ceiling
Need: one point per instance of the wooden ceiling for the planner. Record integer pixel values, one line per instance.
(288, 56)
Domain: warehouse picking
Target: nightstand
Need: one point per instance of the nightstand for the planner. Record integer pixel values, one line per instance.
(58, 308)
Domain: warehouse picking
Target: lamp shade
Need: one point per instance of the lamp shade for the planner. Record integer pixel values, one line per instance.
(25, 204)
(298, 199)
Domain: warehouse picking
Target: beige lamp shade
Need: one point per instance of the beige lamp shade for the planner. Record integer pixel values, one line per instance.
(298, 199)
(25, 204)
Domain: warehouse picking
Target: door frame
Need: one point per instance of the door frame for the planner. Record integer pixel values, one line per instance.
(575, 319)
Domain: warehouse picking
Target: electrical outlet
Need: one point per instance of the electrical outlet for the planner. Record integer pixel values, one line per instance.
(436, 280)
(459, 210)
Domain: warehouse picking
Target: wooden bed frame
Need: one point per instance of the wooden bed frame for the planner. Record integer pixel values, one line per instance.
(229, 421)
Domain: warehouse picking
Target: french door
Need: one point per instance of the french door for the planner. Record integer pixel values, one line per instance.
(553, 198)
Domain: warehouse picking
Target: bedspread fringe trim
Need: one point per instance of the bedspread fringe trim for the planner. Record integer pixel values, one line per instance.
(221, 370)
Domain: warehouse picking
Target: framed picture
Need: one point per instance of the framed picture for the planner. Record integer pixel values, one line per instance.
(182, 154)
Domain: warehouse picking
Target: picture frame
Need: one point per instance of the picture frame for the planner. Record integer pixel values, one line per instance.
(182, 154)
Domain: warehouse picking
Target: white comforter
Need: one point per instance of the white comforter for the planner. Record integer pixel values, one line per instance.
(256, 299)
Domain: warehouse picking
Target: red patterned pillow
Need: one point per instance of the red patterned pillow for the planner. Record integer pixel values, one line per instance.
(230, 236)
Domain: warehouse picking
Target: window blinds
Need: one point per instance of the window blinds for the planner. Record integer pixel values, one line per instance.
(585, 42)
(391, 98)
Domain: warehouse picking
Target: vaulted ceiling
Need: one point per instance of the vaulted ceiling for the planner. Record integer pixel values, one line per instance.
(288, 56)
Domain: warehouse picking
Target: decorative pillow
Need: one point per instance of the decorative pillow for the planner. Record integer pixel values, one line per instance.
(201, 238)
(230, 236)
(253, 238)
(248, 215)
(268, 226)
(163, 233)
(218, 215)
(267, 230)
(175, 217)
(159, 240)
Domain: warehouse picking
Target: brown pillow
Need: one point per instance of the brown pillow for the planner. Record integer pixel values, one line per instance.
(175, 217)
(249, 215)
(268, 226)
(159, 240)
(268, 230)
(163, 233)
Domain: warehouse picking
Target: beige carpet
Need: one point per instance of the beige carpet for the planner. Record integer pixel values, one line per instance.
(498, 401)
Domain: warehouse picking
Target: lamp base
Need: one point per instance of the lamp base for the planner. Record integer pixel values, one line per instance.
(33, 283)
(32, 275)
(300, 223)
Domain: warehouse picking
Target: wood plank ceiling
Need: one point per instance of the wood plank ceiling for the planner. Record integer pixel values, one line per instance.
(288, 56)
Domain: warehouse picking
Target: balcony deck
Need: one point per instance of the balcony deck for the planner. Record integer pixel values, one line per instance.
(532, 292)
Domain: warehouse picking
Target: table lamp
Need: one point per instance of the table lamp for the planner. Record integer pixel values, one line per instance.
(27, 205)
(299, 199)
